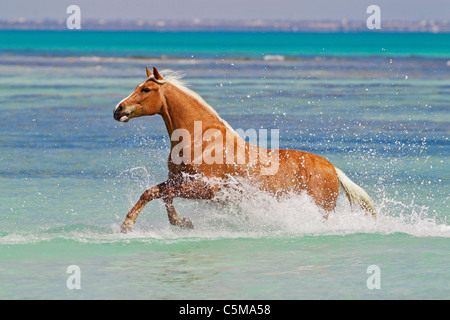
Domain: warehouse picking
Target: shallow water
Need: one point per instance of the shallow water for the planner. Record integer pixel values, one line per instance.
(69, 173)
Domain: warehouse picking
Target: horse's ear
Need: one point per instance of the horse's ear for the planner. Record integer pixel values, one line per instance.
(148, 72)
(156, 74)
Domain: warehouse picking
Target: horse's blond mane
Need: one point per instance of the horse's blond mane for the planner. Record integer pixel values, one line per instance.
(176, 78)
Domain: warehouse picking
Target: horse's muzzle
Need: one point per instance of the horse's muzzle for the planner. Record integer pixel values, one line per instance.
(120, 115)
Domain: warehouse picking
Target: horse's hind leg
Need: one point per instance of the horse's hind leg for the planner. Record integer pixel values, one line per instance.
(326, 201)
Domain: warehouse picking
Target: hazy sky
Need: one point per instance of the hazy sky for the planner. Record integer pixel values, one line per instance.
(404, 10)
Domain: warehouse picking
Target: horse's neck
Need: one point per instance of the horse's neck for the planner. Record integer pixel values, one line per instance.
(181, 110)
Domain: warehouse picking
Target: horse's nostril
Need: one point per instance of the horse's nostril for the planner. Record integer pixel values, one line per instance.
(120, 108)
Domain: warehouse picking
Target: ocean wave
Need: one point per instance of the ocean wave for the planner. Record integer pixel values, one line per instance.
(71, 57)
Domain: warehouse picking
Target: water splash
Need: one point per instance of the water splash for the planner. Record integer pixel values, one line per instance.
(246, 212)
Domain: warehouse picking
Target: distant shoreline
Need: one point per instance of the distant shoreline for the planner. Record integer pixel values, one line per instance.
(341, 26)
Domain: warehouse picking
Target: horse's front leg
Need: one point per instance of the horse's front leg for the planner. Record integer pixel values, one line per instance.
(174, 219)
(146, 197)
(191, 190)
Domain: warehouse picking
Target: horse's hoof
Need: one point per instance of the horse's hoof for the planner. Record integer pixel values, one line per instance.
(186, 223)
(126, 227)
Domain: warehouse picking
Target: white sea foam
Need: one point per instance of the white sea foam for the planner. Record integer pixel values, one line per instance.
(274, 58)
(297, 215)
(255, 215)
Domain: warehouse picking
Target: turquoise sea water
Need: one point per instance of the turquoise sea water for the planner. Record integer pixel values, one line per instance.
(376, 105)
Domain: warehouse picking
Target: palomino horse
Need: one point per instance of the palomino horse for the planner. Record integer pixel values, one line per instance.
(200, 178)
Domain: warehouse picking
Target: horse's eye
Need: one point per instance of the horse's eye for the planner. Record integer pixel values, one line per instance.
(146, 90)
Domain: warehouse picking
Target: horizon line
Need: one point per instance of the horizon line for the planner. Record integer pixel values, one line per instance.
(256, 25)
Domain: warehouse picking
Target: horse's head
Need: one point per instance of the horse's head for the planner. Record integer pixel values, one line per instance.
(145, 100)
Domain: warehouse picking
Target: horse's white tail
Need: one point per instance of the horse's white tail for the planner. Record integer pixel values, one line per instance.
(355, 193)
